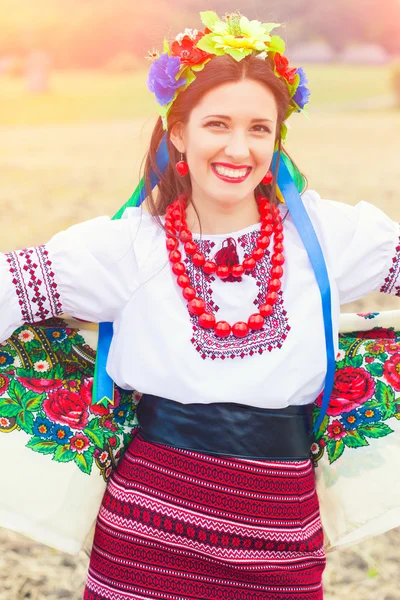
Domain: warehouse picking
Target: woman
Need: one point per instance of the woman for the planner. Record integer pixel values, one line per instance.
(212, 296)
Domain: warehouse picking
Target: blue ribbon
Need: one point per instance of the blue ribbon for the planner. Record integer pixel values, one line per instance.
(310, 241)
(103, 384)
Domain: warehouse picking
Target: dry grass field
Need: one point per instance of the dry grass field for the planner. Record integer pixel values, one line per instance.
(54, 175)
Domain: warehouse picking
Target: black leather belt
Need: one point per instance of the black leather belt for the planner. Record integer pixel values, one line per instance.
(227, 428)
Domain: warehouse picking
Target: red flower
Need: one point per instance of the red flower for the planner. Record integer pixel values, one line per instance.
(392, 347)
(391, 370)
(336, 430)
(79, 443)
(377, 333)
(4, 383)
(97, 409)
(352, 387)
(40, 385)
(369, 359)
(67, 408)
(282, 66)
(187, 51)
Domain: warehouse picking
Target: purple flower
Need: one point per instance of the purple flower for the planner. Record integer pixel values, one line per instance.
(161, 80)
(302, 94)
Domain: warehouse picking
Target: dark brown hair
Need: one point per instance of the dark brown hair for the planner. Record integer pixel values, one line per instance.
(218, 71)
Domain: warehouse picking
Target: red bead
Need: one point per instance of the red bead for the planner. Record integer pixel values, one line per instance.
(268, 177)
(260, 198)
(278, 237)
(274, 285)
(237, 270)
(190, 247)
(267, 229)
(256, 322)
(178, 268)
(267, 219)
(189, 293)
(249, 264)
(171, 243)
(278, 248)
(223, 271)
(180, 224)
(263, 241)
(185, 236)
(264, 205)
(277, 259)
(271, 298)
(176, 213)
(175, 256)
(183, 281)
(276, 272)
(197, 306)
(257, 253)
(207, 320)
(278, 227)
(209, 267)
(222, 329)
(198, 259)
(266, 310)
(169, 226)
(182, 168)
(240, 329)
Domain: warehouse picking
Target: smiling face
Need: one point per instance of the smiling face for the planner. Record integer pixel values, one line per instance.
(229, 143)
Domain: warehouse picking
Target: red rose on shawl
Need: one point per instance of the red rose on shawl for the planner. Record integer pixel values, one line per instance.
(187, 51)
(282, 66)
(391, 370)
(40, 385)
(352, 387)
(336, 430)
(377, 333)
(67, 408)
(97, 409)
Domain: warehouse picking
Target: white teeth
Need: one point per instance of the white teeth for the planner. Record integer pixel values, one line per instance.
(233, 173)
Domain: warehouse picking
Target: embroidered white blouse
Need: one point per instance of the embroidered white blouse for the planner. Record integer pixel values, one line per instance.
(104, 270)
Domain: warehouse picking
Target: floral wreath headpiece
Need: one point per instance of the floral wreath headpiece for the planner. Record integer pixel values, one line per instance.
(173, 71)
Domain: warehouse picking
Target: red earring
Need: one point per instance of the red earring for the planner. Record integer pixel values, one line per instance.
(267, 178)
(182, 167)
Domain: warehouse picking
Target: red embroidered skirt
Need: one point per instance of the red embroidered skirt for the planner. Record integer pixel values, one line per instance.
(181, 525)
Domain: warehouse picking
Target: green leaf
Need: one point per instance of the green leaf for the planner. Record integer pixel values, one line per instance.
(335, 449)
(64, 454)
(32, 345)
(353, 439)
(384, 393)
(16, 391)
(276, 44)
(324, 425)
(207, 44)
(340, 364)
(357, 361)
(388, 412)
(9, 408)
(96, 436)
(84, 462)
(375, 430)
(376, 369)
(238, 54)
(94, 424)
(42, 446)
(59, 372)
(32, 401)
(209, 18)
(25, 420)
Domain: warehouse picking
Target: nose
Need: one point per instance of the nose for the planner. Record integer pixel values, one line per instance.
(237, 146)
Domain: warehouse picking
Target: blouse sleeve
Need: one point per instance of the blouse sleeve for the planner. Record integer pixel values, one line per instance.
(88, 271)
(361, 245)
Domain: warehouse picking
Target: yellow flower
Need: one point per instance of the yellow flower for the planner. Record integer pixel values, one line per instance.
(236, 36)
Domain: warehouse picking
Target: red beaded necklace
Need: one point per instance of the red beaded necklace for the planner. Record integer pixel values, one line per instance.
(177, 229)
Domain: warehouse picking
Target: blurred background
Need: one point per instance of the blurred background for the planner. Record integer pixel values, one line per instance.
(75, 119)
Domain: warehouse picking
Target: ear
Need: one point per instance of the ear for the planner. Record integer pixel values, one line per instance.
(177, 137)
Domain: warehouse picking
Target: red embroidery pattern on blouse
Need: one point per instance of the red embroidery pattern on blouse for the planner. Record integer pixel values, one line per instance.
(269, 338)
(393, 277)
(34, 282)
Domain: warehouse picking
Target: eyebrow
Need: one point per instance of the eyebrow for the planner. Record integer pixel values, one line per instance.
(229, 119)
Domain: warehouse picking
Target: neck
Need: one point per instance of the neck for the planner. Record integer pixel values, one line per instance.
(219, 219)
